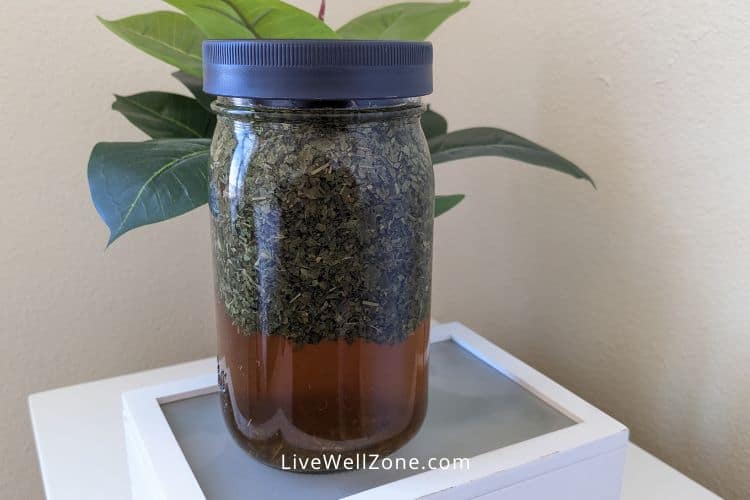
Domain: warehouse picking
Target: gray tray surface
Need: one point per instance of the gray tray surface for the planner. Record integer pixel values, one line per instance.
(473, 409)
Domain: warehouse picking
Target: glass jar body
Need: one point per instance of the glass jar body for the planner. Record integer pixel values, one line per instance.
(322, 238)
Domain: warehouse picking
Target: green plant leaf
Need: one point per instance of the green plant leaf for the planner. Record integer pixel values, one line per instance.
(433, 124)
(253, 19)
(487, 141)
(195, 86)
(169, 36)
(401, 21)
(137, 183)
(445, 202)
(166, 116)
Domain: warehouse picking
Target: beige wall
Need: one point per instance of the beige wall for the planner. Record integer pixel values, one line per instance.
(635, 296)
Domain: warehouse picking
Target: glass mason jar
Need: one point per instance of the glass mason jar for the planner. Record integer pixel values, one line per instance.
(321, 201)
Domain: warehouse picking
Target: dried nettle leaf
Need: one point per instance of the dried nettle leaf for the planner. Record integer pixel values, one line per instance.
(323, 224)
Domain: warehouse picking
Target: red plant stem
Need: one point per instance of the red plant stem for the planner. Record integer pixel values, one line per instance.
(322, 10)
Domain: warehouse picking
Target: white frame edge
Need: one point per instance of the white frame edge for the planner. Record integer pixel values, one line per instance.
(594, 433)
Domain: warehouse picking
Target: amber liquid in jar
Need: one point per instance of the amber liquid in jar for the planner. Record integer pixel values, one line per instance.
(286, 403)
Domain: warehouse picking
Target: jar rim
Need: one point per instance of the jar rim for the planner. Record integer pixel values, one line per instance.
(299, 110)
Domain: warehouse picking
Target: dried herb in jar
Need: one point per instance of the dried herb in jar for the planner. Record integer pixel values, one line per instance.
(322, 223)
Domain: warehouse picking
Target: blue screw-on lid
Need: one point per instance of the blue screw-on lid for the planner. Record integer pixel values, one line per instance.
(317, 69)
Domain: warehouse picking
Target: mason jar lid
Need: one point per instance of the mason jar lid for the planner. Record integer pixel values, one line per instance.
(317, 69)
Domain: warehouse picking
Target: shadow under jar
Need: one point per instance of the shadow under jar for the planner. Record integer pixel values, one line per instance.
(321, 199)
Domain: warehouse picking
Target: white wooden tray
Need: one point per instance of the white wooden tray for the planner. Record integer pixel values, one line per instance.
(528, 438)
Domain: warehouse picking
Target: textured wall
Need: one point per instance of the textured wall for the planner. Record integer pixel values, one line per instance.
(635, 295)
(69, 310)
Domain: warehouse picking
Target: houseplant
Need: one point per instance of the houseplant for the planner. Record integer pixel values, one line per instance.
(137, 183)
